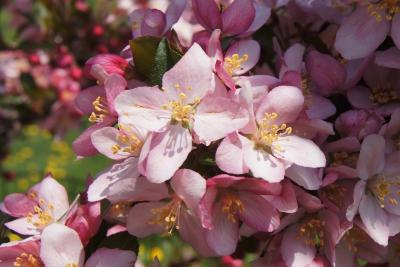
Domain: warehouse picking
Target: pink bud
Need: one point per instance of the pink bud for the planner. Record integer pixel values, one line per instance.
(110, 64)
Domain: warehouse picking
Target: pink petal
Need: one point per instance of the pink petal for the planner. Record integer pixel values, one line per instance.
(105, 257)
(360, 34)
(258, 213)
(224, 76)
(320, 107)
(61, 246)
(229, 155)
(224, 236)
(191, 75)
(206, 207)
(142, 107)
(55, 194)
(293, 148)
(245, 47)
(23, 227)
(114, 85)
(225, 116)
(189, 186)
(207, 14)
(374, 219)
(174, 12)
(239, 8)
(358, 193)
(371, 160)
(395, 34)
(193, 233)
(263, 12)
(309, 178)
(17, 205)
(86, 97)
(264, 165)
(104, 139)
(293, 59)
(214, 50)
(389, 58)
(168, 153)
(153, 23)
(140, 217)
(286, 201)
(294, 251)
(286, 101)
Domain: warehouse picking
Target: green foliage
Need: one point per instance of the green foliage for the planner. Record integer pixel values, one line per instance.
(8, 34)
(153, 57)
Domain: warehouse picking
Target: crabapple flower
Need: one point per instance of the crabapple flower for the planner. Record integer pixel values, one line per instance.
(229, 199)
(240, 57)
(173, 114)
(271, 147)
(44, 204)
(21, 253)
(178, 211)
(109, 63)
(61, 246)
(376, 195)
(366, 28)
(224, 15)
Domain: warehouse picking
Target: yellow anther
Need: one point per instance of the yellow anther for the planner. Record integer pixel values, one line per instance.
(268, 133)
(344, 158)
(119, 210)
(235, 62)
(385, 189)
(389, 8)
(168, 215)
(128, 142)
(181, 112)
(383, 94)
(232, 206)
(353, 237)
(100, 110)
(312, 232)
(27, 260)
(71, 265)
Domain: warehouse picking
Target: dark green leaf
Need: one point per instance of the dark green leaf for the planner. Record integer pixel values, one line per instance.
(160, 63)
(144, 50)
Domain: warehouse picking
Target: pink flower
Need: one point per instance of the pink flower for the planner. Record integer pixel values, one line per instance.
(238, 17)
(366, 28)
(375, 195)
(383, 92)
(270, 147)
(240, 57)
(44, 204)
(61, 246)
(229, 199)
(183, 107)
(25, 253)
(108, 62)
(391, 132)
(154, 22)
(178, 211)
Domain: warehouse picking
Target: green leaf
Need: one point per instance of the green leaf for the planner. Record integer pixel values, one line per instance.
(121, 240)
(153, 57)
(8, 33)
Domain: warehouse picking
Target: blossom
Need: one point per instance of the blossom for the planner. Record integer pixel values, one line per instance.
(43, 204)
(367, 27)
(271, 146)
(229, 199)
(173, 114)
(25, 253)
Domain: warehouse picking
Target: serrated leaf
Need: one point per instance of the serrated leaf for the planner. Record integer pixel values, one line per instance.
(144, 49)
(160, 63)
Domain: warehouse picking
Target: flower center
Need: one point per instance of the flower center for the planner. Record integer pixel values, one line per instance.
(234, 63)
(335, 193)
(385, 190)
(181, 112)
(305, 88)
(353, 236)
(130, 142)
(168, 215)
(42, 214)
(119, 210)
(344, 158)
(312, 231)
(231, 206)
(269, 132)
(100, 110)
(71, 265)
(389, 7)
(383, 94)
(27, 260)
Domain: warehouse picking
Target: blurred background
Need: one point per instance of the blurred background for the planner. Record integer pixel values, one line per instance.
(44, 45)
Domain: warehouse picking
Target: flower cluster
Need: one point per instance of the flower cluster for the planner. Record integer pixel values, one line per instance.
(278, 123)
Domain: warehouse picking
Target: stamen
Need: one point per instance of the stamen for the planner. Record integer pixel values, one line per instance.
(71, 265)
(312, 231)
(389, 8)
(100, 110)
(232, 206)
(41, 215)
(168, 216)
(182, 113)
(344, 158)
(27, 260)
(119, 210)
(384, 190)
(269, 132)
(129, 142)
(354, 236)
(383, 94)
(234, 63)
(335, 193)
